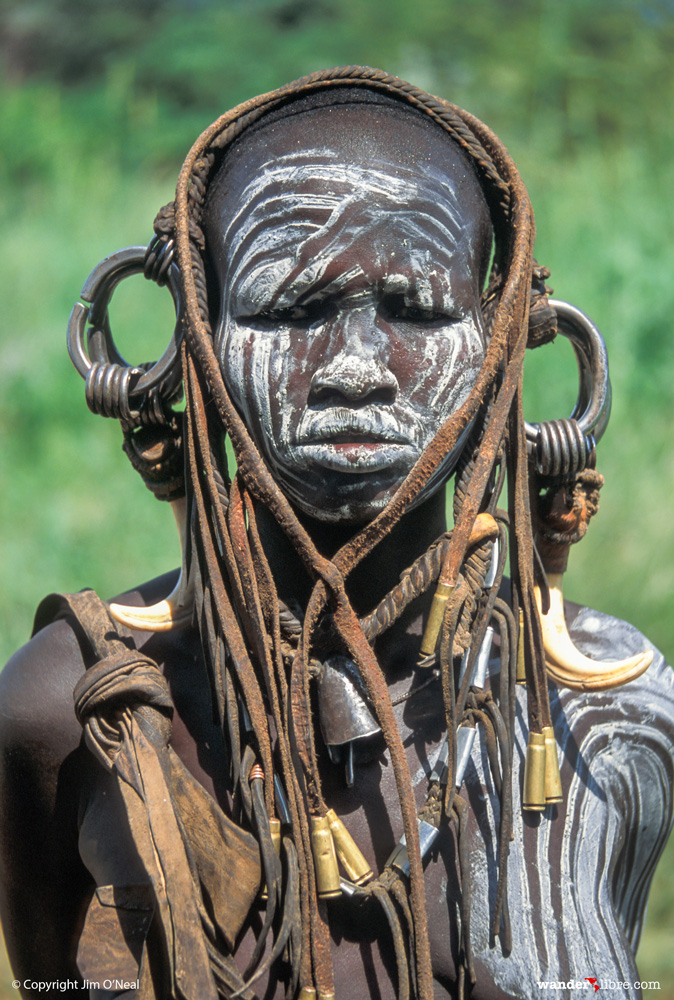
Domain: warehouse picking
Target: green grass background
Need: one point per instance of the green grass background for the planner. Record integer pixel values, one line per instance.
(101, 101)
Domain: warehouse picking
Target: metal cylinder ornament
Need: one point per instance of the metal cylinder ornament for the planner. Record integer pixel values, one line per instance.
(553, 781)
(354, 864)
(533, 795)
(328, 884)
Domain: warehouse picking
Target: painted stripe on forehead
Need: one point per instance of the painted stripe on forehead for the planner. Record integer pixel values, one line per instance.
(296, 183)
(286, 225)
(300, 166)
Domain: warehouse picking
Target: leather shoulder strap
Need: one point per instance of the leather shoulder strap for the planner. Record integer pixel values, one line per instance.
(97, 628)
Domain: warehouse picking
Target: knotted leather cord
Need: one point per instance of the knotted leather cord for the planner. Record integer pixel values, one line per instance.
(236, 596)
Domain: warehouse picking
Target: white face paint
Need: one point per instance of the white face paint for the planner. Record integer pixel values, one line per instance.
(350, 326)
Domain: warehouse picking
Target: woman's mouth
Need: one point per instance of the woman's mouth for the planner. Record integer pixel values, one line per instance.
(357, 455)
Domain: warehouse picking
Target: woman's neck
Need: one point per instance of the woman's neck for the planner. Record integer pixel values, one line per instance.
(372, 578)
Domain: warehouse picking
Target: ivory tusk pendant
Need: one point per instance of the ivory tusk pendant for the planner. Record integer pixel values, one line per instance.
(567, 665)
(175, 610)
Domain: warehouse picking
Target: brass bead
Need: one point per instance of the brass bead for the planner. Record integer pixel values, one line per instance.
(307, 993)
(348, 852)
(256, 773)
(533, 797)
(553, 781)
(325, 860)
(434, 623)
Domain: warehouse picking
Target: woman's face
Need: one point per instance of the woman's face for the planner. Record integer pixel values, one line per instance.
(350, 326)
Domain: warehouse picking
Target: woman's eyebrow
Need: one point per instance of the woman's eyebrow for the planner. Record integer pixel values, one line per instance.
(265, 288)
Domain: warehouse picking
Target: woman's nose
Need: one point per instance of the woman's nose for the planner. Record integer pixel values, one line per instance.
(352, 369)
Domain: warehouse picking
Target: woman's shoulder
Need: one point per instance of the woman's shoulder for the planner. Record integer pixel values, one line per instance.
(37, 683)
(605, 638)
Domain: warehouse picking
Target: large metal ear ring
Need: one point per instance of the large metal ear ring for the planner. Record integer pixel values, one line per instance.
(114, 388)
(559, 451)
(565, 447)
(134, 395)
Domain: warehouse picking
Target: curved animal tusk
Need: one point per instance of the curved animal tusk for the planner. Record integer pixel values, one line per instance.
(567, 665)
(176, 609)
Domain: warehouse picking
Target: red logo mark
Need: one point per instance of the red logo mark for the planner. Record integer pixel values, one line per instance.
(593, 981)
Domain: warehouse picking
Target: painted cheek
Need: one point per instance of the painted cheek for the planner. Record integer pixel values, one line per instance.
(406, 353)
(446, 369)
(417, 352)
(298, 355)
(280, 390)
(295, 357)
(249, 368)
(235, 353)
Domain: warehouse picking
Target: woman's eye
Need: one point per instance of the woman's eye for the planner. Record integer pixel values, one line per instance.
(396, 308)
(296, 314)
(417, 314)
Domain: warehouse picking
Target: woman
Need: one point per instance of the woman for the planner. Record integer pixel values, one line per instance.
(300, 772)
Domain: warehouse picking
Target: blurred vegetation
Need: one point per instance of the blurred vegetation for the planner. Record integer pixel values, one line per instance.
(102, 100)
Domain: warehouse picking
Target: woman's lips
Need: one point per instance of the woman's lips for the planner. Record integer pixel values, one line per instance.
(346, 445)
(357, 456)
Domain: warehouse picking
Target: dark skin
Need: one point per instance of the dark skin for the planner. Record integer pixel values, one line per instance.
(47, 775)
